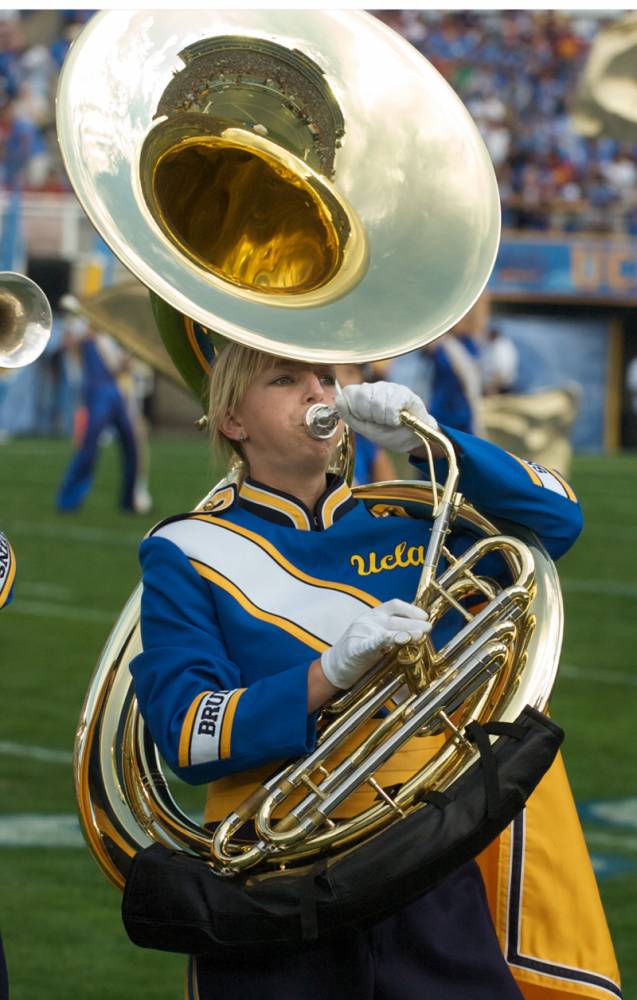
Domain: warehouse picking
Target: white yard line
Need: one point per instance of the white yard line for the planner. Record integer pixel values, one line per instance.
(613, 588)
(61, 830)
(10, 749)
(38, 588)
(65, 532)
(599, 676)
(45, 609)
(619, 842)
(32, 830)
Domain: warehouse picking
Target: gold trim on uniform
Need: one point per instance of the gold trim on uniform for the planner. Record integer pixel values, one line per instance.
(186, 729)
(226, 725)
(7, 568)
(207, 730)
(530, 471)
(256, 612)
(255, 494)
(220, 500)
(569, 491)
(385, 509)
(285, 564)
(340, 496)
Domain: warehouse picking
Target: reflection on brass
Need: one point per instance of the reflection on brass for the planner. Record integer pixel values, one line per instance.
(260, 83)
(12, 322)
(258, 220)
(245, 217)
(124, 311)
(25, 320)
(236, 172)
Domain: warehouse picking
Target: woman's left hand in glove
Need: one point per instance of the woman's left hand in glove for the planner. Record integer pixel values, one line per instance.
(373, 409)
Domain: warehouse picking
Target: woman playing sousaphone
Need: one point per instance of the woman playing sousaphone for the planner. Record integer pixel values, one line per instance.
(285, 593)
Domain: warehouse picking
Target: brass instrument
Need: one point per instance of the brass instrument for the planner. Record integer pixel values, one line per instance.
(606, 99)
(25, 320)
(307, 184)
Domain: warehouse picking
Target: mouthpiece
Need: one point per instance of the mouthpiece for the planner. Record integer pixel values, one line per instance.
(321, 420)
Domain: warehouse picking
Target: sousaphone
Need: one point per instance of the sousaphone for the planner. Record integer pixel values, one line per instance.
(305, 183)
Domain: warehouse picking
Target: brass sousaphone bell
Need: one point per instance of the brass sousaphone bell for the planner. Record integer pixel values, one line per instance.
(307, 184)
(25, 320)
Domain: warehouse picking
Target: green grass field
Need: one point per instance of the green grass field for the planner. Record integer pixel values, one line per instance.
(59, 917)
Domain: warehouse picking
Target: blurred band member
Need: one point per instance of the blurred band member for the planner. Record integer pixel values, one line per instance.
(456, 376)
(372, 464)
(499, 363)
(102, 362)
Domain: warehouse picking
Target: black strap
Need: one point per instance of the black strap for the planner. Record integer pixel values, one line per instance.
(512, 729)
(476, 733)
(437, 799)
(479, 734)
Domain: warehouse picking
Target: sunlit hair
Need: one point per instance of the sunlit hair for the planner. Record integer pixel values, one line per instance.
(232, 373)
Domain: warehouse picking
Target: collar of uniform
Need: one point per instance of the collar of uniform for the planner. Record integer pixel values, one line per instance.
(282, 508)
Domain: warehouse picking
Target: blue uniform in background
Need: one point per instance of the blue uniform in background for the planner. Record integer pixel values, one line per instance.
(238, 601)
(106, 408)
(365, 452)
(451, 401)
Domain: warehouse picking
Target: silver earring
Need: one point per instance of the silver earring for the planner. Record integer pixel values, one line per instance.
(243, 436)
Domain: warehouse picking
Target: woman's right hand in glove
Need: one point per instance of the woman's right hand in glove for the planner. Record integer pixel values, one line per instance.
(370, 637)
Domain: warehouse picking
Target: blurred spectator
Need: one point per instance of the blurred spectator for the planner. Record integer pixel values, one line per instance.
(24, 156)
(28, 80)
(371, 463)
(498, 363)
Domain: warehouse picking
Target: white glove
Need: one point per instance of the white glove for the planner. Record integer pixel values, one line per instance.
(369, 637)
(373, 409)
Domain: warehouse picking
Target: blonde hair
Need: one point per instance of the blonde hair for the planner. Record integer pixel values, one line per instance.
(232, 373)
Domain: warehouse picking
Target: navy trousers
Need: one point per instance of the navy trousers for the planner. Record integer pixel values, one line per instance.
(442, 947)
(106, 408)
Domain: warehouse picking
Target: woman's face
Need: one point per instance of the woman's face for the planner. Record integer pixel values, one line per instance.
(271, 417)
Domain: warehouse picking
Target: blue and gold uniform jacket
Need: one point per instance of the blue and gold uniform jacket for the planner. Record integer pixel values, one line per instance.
(7, 570)
(238, 602)
(239, 599)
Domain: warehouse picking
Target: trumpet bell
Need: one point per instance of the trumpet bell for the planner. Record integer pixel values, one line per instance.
(25, 320)
(303, 182)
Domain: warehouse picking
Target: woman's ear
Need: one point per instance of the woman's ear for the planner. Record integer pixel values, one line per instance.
(232, 427)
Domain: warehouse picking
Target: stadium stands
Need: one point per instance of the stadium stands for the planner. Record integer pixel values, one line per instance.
(515, 70)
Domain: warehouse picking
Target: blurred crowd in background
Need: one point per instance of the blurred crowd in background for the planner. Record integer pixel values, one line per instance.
(33, 45)
(516, 71)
